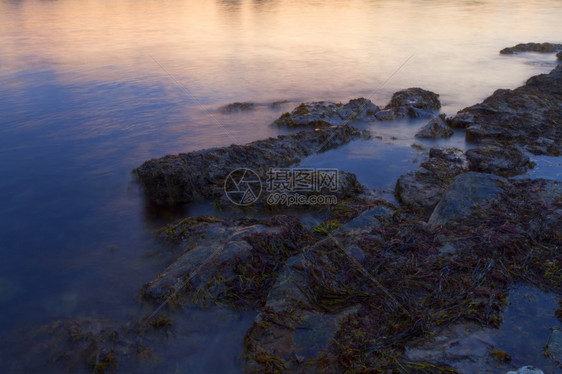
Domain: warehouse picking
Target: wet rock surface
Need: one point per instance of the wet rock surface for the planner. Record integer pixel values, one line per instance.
(323, 113)
(201, 174)
(435, 128)
(529, 116)
(504, 161)
(368, 287)
(298, 323)
(412, 103)
(409, 103)
(466, 192)
(422, 189)
(228, 262)
(532, 47)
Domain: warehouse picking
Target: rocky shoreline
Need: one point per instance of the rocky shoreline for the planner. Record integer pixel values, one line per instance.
(373, 287)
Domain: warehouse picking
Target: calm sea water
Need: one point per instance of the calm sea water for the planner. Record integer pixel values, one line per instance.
(91, 89)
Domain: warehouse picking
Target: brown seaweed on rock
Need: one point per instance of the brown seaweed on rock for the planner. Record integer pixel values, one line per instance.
(532, 47)
(530, 116)
(201, 174)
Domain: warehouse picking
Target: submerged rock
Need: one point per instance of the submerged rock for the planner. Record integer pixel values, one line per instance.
(201, 174)
(532, 47)
(529, 115)
(237, 107)
(91, 345)
(324, 113)
(421, 190)
(435, 128)
(413, 103)
(279, 104)
(504, 161)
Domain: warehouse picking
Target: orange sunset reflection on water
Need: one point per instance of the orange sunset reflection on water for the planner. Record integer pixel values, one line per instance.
(256, 49)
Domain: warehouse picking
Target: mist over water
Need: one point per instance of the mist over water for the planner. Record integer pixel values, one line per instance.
(91, 89)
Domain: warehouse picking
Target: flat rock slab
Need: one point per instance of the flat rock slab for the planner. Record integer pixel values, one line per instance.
(503, 161)
(467, 191)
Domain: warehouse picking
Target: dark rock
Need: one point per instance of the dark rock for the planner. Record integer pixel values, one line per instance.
(202, 174)
(559, 55)
(450, 154)
(466, 192)
(435, 128)
(419, 190)
(422, 189)
(226, 261)
(323, 113)
(364, 223)
(359, 109)
(527, 115)
(413, 103)
(532, 47)
(237, 107)
(278, 104)
(318, 114)
(504, 161)
(314, 293)
(543, 146)
(385, 115)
